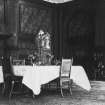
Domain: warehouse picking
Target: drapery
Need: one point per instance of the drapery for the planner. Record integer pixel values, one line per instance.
(60, 22)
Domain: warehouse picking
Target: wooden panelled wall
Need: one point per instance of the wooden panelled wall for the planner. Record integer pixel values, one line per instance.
(74, 33)
(74, 27)
(70, 25)
(1, 15)
(26, 18)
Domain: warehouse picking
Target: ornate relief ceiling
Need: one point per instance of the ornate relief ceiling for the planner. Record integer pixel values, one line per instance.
(58, 1)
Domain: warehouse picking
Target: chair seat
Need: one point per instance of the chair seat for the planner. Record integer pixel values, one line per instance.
(12, 77)
(65, 75)
(65, 79)
(7, 75)
(16, 78)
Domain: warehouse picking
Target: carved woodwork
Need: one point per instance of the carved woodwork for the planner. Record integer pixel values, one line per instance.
(26, 19)
(2, 16)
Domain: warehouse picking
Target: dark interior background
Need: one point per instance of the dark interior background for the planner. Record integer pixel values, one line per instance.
(77, 28)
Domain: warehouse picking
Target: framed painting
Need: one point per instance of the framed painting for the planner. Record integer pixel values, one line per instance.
(33, 18)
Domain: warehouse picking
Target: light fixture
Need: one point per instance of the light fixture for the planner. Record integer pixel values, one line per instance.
(58, 1)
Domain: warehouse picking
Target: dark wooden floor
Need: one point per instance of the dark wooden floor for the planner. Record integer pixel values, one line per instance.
(52, 97)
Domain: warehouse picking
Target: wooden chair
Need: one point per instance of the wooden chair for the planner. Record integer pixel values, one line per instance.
(65, 71)
(9, 77)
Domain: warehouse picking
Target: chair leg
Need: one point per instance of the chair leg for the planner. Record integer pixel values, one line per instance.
(11, 90)
(33, 95)
(61, 89)
(3, 88)
(70, 85)
(70, 90)
(95, 75)
(58, 85)
(62, 92)
(20, 86)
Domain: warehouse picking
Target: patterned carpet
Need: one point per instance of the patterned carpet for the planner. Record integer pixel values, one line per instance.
(52, 97)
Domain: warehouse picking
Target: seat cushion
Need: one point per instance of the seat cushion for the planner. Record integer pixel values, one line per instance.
(16, 78)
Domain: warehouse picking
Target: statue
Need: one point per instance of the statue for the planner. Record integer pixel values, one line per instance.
(44, 47)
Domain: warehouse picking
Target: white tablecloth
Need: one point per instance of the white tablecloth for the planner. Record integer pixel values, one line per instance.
(35, 76)
(1, 75)
(79, 77)
(20, 70)
(40, 75)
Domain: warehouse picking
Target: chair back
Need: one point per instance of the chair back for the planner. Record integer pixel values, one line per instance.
(66, 67)
(7, 67)
(18, 62)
